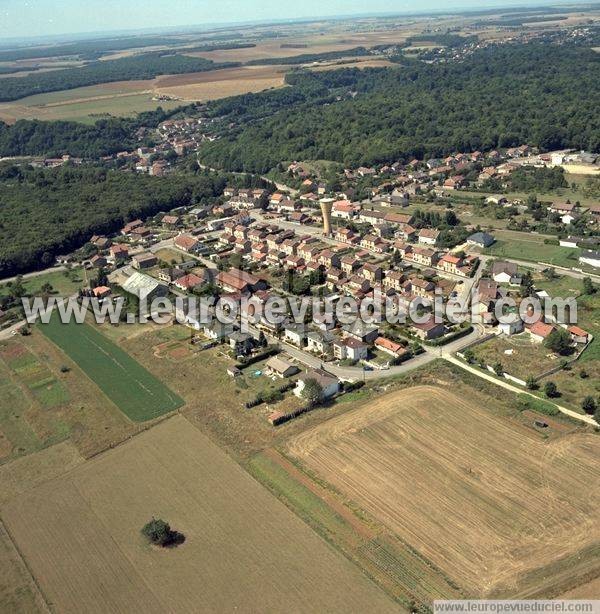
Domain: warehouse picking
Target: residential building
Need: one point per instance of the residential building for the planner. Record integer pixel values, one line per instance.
(330, 384)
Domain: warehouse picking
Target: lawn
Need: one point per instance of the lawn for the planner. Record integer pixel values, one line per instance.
(523, 359)
(133, 389)
(534, 251)
(64, 283)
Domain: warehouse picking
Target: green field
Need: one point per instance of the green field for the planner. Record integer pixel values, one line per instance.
(134, 390)
(535, 252)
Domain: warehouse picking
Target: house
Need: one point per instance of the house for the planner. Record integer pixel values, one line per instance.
(430, 329)
(505, 272)
(358, 284)
(422, 255)
(390, 347)
(98, 261)
(186, 242)
(294, 334)
(562, 208)
(344, 209)
(319, 341)
(372, 217)
(362, 331)
(170, 221)
(344, 235)
(400, 219)
(514, 327)
(330, 384)
(394, 280)
(170, 275)
(372, 272)
(235, 280)
(481, 239)
(129, 227)
(241, 343)
(374, 243)
(578, 335)
(449, 263)
(118, 253)
(101, 292)
(350, 264)
(590, 257)
(217, 330)
(144, 287)
(539, 331)
(422, 287)
(188, 282)
(350, 349)
(145, 260)
(280, 367)
(428, 236)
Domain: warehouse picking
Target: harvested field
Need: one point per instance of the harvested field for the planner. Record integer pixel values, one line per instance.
(243, 549)
(220, 83)
(134, 390)
(500, 511)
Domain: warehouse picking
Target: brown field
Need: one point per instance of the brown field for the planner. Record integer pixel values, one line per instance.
(314, 44)
(498, 509)
(244, 550)
(220, 83)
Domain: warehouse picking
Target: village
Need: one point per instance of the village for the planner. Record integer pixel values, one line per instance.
(311, 240)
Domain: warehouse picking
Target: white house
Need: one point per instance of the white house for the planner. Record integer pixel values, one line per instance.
(329, 383)
(295, 334)
(511, 328)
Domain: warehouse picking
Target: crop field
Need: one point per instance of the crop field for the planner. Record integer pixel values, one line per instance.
(216, 84)
(243, 549)
(499, 510)
(132, 388)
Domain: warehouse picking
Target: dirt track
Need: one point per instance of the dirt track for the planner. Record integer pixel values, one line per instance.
(483, 499)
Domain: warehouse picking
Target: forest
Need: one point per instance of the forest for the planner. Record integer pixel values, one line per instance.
(143, 66)
(500, 96)
(44, 213)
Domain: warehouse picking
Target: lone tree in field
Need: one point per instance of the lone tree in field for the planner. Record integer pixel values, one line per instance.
(312, 392)
(159, 533)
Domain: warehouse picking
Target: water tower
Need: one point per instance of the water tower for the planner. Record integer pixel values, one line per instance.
(326, 207)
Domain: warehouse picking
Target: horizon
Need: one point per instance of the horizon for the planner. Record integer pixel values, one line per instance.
(24, 22)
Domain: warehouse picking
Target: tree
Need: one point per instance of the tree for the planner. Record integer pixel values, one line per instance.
(588, 286)
(559, 341)
(597, 415)
(589, 405)
(551, 390)
(532, 383)
(312, 391)
(159, 533)
(469, 356)
(498, 368)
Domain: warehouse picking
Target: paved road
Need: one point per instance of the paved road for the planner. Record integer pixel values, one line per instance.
(34, 274)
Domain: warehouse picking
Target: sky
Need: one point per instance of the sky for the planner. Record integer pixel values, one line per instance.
(35, 18)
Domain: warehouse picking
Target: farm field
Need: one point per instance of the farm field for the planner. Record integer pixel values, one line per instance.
(132, 388)
(243, 549)
(42, 404)
(496, 508)
(216, 84)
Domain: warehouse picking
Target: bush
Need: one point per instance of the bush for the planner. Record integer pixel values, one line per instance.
(589, 405)
(524, 401)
